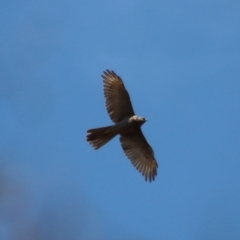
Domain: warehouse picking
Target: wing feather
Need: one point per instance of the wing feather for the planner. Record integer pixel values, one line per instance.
(137, 149)
(118, 102)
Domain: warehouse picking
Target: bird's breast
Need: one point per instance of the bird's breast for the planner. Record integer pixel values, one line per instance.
(126, 126)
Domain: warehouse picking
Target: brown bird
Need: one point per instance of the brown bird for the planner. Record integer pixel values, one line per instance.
(127, 125)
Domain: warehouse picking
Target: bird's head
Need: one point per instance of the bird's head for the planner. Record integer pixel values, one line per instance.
(139, 120)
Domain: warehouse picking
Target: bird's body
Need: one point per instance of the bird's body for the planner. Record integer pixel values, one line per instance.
(100, 136)
(127, 125)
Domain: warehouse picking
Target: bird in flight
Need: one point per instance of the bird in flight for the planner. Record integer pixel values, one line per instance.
(127, 125)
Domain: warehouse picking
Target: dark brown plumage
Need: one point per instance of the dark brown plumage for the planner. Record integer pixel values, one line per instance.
(127, 125)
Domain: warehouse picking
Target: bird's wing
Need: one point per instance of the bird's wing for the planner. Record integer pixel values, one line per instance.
(118, 102)
(140, 153)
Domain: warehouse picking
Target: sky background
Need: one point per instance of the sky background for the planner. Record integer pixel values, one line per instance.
(180, 62)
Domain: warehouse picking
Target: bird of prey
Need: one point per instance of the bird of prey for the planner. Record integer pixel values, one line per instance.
(127, 125)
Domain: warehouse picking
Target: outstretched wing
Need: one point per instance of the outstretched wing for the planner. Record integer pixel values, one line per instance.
(118, 102)
(140, 153)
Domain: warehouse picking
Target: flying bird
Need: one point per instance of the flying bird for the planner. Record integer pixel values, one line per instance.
(127, 125)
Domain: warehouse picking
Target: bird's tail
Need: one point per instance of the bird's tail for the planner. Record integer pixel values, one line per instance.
(97, 137)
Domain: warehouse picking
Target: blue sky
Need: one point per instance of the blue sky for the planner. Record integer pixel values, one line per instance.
(180, 63)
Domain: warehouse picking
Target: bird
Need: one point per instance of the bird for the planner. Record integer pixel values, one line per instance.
(126, 124)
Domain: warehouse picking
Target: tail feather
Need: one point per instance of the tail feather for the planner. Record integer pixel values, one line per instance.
(97, 137)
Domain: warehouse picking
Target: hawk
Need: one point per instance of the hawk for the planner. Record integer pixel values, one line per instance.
(127, 125)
